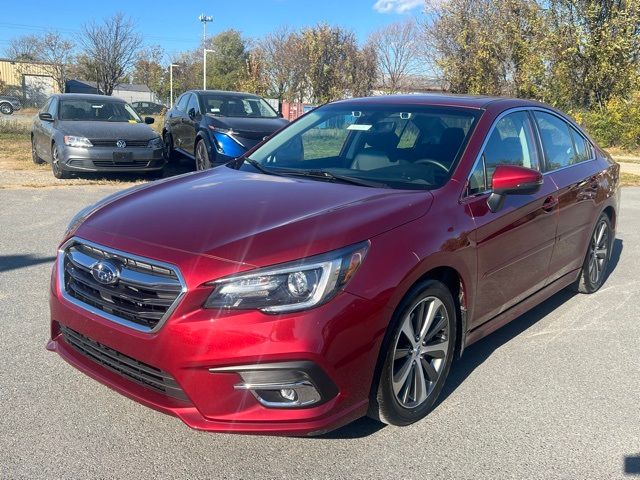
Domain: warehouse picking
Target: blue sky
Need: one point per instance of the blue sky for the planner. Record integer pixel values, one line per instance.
(174, 24)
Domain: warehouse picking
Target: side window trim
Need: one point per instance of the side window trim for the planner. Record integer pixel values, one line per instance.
(571, 127)
(480, 156)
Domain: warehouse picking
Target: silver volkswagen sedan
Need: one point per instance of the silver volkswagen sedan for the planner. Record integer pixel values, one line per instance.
(94, 133)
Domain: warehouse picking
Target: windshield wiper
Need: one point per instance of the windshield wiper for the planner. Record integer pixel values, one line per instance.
(333, 177)
(260, 168)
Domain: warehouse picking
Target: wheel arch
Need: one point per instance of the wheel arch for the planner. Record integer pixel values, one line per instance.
(611, 213)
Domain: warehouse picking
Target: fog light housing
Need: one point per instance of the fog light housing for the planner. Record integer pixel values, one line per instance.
(285, 384)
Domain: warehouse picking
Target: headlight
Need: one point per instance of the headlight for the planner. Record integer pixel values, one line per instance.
(155, 143)
(72, 141)
(298, 285)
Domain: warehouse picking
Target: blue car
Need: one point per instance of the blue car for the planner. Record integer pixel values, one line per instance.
(214, 127)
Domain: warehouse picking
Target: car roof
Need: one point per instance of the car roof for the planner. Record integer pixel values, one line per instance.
(87, 96)
(223, 93)
(441, 100)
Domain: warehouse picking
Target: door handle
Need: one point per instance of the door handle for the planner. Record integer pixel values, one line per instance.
(550, 203)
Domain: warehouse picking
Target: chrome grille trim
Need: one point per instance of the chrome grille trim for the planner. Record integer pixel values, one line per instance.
(77, 256)
(125, 366)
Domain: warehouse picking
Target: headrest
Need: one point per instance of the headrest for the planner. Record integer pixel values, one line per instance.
(382, 140)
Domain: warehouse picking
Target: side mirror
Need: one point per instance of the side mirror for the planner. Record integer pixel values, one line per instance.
(149, 120)
(192, 113)
(512, 180)
(45, 116)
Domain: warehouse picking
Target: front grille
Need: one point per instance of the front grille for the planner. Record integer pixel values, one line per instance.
(143, 296)
(112, 143)
(251, 135)
(139, 372)
(126, 164)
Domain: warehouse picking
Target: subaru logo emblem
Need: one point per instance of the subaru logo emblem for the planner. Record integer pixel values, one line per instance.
(105, 272)
(121, 144)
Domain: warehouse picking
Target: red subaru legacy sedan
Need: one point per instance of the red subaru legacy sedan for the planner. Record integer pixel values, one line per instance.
(339, 268)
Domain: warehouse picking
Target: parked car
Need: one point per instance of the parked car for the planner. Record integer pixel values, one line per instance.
(214, 127)
(8, 104)
(94, 133)
(148, 108)
(339, 268)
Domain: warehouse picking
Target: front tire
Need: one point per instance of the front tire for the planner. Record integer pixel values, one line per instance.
(417, 352)
(34, 154)
(596, 262)
(169, 153)
(56, 168)
(6, 108)
(202, 156)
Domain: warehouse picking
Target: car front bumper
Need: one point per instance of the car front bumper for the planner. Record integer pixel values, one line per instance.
(101, 159)
(205, 351)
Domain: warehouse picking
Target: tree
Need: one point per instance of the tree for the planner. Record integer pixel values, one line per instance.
(486, 47)
(148, 70)
(284, 68)
(594, 52)
(364, 71)
(254, 79)
(58, 52)
(329, 53)
(25, 48)
(226, 66)
(112, 45)
(396, 50)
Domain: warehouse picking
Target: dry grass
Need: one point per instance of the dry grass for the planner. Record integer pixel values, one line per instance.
(629, 180)
(15, 152)
(628, 156)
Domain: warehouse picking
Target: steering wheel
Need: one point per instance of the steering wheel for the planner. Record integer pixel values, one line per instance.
(433, 162)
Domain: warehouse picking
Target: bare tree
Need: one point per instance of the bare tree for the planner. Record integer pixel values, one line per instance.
(26, 48)
(282, 63)
(112, 45)
(58, 52)
(395, 46)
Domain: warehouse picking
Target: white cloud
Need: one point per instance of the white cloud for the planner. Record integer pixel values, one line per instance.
(396, 6)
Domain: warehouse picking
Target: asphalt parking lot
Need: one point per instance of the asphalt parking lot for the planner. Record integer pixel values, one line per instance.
(554, 394)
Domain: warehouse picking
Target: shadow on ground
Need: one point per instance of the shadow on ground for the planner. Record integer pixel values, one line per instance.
(480, 351)
(15, 262)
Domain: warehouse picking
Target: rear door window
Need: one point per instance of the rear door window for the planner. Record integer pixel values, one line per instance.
(557, 142)
(582, 147)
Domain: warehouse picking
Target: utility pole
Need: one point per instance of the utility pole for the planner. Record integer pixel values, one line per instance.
(204, 19)
(204, 69)
(171, 82)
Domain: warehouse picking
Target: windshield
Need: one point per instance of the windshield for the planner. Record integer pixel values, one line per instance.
(237, 106)
(99, 111)
(405, 147)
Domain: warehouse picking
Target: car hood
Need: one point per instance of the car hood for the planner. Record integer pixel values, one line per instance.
(264, 126)
(107, 130)
(252, 218)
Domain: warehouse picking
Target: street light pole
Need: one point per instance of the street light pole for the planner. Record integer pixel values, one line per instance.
(171, 82)
(204, 69)
(204, 19)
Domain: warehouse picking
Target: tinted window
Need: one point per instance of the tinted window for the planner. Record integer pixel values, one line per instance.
(582, 147)
(237, 105)
(411, 147)
(53, 107)
(556, 141)
(511, 143)
(98, 110)
(182, 102)
(193, 103)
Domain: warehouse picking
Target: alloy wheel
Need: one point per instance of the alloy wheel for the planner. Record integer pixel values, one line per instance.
(420, 352)
(6, 109)
(598, 252)
(202, 159)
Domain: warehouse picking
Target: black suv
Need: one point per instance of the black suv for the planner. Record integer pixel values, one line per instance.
(214, 127)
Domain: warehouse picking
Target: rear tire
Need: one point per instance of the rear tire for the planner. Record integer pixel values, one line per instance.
(6, 108)
(417, 354)
(56, 168)
(596, 262)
